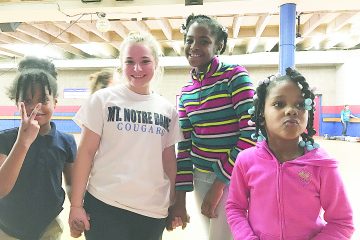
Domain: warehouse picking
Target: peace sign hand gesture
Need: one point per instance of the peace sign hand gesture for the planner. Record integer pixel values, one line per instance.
(29, 127)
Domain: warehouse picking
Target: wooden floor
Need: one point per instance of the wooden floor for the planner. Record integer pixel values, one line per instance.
(348, 154)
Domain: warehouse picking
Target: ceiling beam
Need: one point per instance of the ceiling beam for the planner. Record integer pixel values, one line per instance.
(261, 24)
(119, 29)
(338, 37)
(61, 35)
(46, 40)
(90, 27)
(21, 37)
(10, 53)
(339, 22)
(73, 50)
(74, 30)
(259, 29)
(166, 28)
(141, 26)
(231, 45)
(6, 39)
(34, 32)
(176, 46)
(313, 22)
(54, 31)
(236, 24)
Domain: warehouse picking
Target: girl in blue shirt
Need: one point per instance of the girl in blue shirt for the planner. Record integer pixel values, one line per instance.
(33, 157)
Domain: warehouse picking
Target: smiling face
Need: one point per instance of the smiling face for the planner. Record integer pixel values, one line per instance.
(31, 99)
(284, 113)
(138, 67)
(200, 46)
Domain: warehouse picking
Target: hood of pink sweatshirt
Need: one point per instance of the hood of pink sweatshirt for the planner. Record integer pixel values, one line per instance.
(317, 157)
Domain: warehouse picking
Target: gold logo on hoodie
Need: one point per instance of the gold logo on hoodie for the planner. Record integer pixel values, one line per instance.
(304, 176)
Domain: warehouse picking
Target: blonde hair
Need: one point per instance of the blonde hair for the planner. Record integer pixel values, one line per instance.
(145, 38)
(148, 40)
(100, 80)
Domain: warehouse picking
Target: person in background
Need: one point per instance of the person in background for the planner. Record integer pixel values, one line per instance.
(100, 80)
(345, 116)
(214, 119)
(33, 158)
(287, 187)
(124, 173)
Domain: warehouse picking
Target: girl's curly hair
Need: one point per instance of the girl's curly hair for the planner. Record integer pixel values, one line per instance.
(262, 91)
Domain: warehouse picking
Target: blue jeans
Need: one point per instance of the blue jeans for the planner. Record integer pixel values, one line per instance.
(345, 125)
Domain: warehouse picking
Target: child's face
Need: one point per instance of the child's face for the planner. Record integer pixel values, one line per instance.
(138, 67)
(47, 107)
(200, 46)
(285, 116)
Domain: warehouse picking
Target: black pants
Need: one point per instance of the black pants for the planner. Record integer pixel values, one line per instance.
(112, 223)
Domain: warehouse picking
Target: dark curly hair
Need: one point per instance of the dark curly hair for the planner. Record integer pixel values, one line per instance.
(262, 92)
(33, 73)
(38, 63)
(216, 28)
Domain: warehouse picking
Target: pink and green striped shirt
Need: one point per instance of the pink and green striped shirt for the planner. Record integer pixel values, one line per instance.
(214, 120)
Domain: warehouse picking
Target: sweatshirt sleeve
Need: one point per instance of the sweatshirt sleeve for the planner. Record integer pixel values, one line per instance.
(237, 206)
(337, 210)
(242, 91)
(184, 176)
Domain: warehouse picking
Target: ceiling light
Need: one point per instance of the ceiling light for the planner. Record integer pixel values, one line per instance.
(193, 2)
(102, 24)
(89, 1)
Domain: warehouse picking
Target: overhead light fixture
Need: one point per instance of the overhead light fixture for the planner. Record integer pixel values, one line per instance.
(102, 24)
(90, 1)
(193, 2)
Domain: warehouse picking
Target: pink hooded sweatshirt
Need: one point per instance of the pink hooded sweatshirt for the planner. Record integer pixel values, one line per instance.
(300, 199)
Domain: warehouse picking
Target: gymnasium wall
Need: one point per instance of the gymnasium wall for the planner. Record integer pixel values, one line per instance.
(324, 78)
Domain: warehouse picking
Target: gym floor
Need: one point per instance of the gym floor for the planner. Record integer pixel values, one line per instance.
(347, 154)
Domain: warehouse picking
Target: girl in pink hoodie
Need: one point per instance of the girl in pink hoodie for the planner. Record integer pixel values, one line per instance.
(286, 187)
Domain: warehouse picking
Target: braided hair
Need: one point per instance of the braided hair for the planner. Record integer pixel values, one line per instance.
(261, 93)
(215, 27)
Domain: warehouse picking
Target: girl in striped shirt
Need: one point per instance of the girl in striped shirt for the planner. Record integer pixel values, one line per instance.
(213, 116)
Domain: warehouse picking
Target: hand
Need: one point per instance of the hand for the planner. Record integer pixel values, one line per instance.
(78, 221)
(29, 127)
(177, 214)
(173, 220)
(212, 199)
(76, 228)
